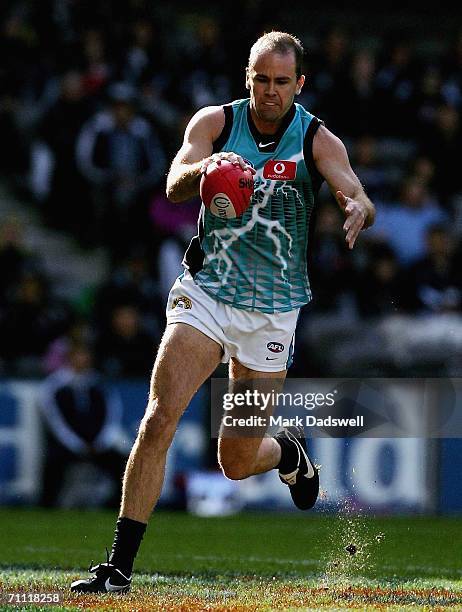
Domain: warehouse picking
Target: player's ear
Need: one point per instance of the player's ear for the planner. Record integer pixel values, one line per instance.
(300, 83)
(247, 78)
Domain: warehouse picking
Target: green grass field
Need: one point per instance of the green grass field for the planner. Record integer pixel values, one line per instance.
(250, 561)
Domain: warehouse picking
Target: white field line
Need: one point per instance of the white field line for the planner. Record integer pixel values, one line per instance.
(427, 569)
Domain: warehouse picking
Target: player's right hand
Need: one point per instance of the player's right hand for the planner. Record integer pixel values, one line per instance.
(234, 158)
(356, 213)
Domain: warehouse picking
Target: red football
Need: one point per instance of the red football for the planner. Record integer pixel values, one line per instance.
(226, 189)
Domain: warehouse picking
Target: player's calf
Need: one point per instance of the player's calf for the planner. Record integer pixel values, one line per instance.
(235, 465)
(241, 457)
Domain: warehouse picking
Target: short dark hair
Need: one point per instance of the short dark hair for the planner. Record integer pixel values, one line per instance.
(278, 42)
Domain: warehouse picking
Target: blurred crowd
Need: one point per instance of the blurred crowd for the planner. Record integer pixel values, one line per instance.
(94, 99)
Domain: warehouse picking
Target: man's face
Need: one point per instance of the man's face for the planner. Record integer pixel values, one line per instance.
(273, 83)
(123, 113)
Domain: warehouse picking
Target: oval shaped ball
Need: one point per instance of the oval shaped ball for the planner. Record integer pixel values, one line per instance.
(226, 189)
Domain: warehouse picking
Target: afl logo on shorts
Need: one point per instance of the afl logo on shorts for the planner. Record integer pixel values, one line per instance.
(182, 302)
(280, 170)
(275, 347)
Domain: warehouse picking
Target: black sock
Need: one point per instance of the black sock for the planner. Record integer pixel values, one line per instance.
(127, 540)
(289, 456)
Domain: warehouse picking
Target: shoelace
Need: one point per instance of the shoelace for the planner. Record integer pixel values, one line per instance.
(96, 568)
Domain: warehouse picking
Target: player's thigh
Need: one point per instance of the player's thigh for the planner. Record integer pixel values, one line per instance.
(242, 443)
(186, 358)
(239, 372)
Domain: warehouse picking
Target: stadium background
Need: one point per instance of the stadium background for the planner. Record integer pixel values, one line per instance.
(89, 246)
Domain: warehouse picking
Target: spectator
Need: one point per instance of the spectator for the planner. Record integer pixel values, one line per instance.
(125, 349)
(57, 354)
(67, 204)
(174, 227)
(14, 258)
(165, 114)
(371, 173)
(404, 224)
(395, 81)
(427, 97)
(380, 285)
(357, 114)
(441, 143)
(452, 71)
(204, 57)
(120, 155)
(33, 318)
(145, 54)
(82, 423)
(434, 282)
(131, 282)
(329, 66)
(423, 169)
(330, 270)
(95, 65)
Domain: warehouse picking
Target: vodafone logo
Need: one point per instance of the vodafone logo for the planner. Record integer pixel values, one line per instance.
(221, 206)
(280, 170)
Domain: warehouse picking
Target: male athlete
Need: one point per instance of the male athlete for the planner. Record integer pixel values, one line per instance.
(244, 284)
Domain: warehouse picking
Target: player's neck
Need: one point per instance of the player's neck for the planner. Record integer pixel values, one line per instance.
(269, 128)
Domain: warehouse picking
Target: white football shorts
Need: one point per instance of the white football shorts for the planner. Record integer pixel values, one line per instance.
(259, 341)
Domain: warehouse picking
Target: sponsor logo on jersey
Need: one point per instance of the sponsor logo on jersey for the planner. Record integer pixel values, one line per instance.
(182, 302)
(280, 170)
(275, 347)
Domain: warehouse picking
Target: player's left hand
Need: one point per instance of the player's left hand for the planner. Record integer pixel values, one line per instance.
(356, 214)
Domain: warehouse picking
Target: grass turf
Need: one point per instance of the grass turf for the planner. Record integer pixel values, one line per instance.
(245, 562)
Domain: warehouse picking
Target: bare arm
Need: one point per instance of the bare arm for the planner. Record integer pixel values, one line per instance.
(184, 175)
(331, 159)
(195, 154)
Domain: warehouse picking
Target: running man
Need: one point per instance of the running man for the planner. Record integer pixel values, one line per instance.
(244, 283)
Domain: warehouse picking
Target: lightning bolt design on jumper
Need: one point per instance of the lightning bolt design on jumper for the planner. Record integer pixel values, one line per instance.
(225, 237)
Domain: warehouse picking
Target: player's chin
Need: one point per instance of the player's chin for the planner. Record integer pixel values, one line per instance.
(270, 113)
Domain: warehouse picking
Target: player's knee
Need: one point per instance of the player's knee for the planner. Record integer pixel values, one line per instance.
(158, 425)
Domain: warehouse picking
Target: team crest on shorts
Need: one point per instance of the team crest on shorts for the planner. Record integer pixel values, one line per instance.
(182, 302)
